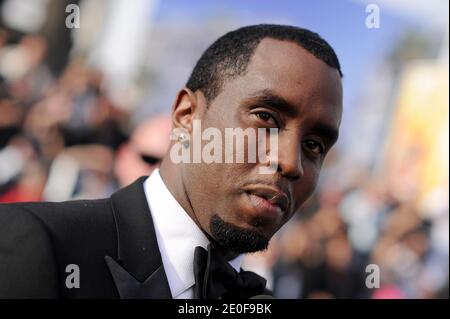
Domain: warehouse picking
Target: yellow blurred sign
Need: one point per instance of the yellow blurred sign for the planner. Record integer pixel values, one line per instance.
(418, 149)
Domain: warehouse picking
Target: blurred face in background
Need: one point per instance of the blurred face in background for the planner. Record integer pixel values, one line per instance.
(143, 153)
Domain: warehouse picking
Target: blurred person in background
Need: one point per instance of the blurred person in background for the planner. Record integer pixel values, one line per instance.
(23, 66)
(144, 150)
(22, 171)
(81, 172)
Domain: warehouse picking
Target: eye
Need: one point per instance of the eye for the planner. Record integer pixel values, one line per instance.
(314, 147)
(266, 117)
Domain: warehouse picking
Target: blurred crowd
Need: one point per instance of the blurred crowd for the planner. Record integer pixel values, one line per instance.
(62, 137)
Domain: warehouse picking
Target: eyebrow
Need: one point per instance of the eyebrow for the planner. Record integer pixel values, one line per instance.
(329, 132)
(269, 98)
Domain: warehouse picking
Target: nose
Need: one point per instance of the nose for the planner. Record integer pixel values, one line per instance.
(290, 157)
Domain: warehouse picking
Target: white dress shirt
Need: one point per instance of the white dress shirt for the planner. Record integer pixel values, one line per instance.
(177, 236)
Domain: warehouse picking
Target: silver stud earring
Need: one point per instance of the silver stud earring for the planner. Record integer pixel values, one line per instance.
(183, 139)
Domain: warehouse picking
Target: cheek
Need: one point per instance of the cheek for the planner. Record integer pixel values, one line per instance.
(216, 180)
(306, 185)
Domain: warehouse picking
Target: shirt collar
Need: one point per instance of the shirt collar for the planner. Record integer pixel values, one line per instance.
(177, 235)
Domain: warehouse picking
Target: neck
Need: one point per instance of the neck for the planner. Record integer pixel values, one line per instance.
(173, 179)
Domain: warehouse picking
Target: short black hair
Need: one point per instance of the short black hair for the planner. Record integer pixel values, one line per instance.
(229, 56)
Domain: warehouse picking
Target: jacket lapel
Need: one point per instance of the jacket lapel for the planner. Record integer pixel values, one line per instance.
(138, 271)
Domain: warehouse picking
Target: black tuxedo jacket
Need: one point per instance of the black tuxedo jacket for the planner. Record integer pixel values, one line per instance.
(112, 241)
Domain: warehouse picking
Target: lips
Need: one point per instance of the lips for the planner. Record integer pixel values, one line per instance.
(268, 197)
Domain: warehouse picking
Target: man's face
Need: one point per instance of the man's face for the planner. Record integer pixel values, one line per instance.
(285, 87)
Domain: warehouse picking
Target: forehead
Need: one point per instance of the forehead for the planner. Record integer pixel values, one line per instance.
(291, 72)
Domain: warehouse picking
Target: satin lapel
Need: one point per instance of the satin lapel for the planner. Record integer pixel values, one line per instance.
(138, 271)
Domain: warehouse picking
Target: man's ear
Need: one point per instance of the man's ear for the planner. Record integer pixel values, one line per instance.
(185, 109)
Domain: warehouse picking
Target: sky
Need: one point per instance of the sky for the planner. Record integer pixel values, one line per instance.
(341, 23)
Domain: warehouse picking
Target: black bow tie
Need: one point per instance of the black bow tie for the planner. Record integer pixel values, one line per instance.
(216, 278)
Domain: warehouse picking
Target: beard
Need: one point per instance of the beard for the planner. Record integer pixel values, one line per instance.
(237, 239)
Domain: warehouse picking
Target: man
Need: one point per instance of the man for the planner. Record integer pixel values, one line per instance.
(181, 232)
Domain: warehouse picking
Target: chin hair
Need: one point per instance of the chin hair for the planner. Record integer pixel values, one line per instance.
(237, 239)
